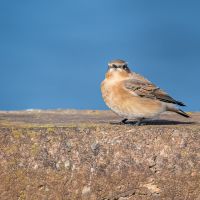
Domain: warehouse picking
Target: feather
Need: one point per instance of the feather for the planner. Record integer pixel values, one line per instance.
(145, 88)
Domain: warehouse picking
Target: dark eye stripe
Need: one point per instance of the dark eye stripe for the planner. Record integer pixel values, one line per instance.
(124, 66)
(115, 66)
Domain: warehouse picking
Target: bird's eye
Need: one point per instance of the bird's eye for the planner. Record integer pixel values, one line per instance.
(124, 66)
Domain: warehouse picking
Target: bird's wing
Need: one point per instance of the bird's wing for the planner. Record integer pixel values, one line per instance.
(145, 88)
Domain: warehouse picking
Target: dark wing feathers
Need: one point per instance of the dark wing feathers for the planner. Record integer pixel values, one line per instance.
(149, 90)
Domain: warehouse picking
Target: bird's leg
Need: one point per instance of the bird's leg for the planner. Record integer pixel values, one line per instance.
(124, 121)
(139, 122)
(121, 122)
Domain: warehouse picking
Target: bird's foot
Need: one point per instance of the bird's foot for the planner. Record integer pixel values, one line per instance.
(124, 121)
(137, 123)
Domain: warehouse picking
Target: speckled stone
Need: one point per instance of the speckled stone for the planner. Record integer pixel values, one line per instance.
(68, 155)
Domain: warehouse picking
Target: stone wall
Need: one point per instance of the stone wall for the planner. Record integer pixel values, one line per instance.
(68, 155)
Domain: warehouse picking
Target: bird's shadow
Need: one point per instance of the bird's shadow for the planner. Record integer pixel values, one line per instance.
(156, 122)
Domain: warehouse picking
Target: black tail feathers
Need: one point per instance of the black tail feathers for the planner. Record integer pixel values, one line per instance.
(181, 112)
(180, 103)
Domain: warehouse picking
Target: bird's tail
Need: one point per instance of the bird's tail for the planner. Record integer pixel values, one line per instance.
(179, 111)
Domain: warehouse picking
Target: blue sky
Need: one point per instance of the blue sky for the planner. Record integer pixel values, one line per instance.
(54, 54)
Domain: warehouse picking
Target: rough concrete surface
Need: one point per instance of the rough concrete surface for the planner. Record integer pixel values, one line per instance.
(69, 154)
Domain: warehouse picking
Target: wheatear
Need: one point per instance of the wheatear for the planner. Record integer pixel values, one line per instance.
(130, 95)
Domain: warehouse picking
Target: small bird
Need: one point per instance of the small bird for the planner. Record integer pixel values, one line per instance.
(130, 95)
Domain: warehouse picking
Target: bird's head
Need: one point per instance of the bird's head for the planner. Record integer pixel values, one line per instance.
(118, 69)
(118, 66)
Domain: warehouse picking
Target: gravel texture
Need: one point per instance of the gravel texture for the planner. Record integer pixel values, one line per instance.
(70, 154)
